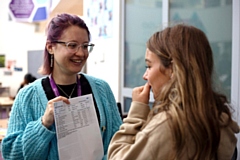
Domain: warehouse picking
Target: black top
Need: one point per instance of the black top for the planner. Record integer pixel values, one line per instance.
(85, 89)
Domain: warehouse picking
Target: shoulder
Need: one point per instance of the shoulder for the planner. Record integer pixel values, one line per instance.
(96, 83)
(228, 139)
(226, 122)
(33, 89)
(93, 79)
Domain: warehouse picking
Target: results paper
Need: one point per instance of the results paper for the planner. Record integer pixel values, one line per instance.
(78, 130)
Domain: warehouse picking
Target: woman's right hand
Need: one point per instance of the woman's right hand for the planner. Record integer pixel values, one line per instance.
(48, 117)
(141, 94)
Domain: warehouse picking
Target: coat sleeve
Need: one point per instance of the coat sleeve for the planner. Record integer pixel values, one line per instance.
(130, 142)
(26, 137)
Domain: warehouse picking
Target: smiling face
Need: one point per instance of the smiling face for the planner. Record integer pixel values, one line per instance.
(67, 63)
(153, 75)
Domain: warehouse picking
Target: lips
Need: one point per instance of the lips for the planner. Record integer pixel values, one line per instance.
(76, 60)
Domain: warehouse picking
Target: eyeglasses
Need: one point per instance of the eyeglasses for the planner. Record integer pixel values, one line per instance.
(73, 47)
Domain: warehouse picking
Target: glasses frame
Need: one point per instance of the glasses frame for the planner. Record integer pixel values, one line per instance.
(91, 45)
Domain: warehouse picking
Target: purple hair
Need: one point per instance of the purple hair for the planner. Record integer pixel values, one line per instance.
(54, 31)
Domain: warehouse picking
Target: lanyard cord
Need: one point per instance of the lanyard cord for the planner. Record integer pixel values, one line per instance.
(55, 89)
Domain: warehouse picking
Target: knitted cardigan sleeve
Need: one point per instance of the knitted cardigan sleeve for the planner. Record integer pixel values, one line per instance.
(26, 137)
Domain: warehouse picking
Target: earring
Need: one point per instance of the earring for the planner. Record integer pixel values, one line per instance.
(51, 61)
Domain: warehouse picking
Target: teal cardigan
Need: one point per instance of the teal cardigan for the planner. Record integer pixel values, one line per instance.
(27, 138)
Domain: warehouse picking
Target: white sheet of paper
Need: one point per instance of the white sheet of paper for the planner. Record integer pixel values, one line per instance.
(78, 130)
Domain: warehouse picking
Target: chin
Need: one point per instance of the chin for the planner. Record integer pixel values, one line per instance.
(76, 71)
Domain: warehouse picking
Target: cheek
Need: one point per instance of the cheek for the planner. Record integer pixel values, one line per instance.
(153, 79)
(86, 56)
(157, 80)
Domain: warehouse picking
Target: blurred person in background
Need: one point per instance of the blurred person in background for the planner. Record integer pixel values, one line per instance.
(28, 78)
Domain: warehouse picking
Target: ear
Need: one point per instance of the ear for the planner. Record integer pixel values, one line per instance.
(170, 71)
(49, 47)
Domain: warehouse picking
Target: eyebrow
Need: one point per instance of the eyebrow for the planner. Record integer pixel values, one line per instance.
(147, 60)
(77, 41)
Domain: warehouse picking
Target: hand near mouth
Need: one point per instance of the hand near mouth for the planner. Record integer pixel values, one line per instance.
(141, 94)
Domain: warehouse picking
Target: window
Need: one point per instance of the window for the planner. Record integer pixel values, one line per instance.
(144, 17)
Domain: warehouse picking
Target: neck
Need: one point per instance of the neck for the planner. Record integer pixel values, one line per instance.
(64, 79)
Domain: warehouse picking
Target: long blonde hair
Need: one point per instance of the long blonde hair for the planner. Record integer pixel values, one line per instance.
(189, 98)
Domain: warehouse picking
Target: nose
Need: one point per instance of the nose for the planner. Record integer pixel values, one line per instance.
(145, 75)
(80, 52)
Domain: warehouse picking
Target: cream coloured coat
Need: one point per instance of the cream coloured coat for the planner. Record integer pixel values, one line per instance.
(154, 142)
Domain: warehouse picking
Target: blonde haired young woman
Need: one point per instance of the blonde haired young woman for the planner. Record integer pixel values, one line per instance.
(189, 120)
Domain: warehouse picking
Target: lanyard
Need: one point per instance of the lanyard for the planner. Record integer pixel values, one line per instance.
(55, 90)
